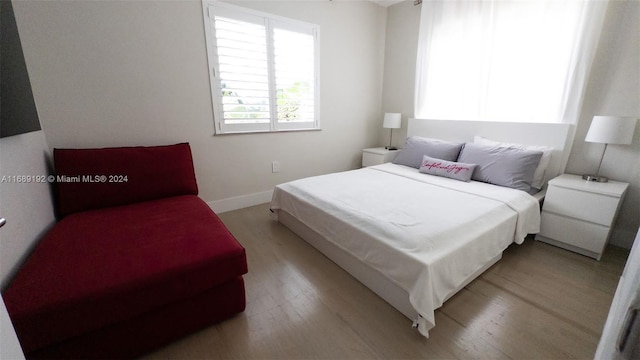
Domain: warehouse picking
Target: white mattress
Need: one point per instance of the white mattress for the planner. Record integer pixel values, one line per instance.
(425, 233)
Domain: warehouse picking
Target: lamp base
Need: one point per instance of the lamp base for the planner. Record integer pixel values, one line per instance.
(596, 178)
(391, 148)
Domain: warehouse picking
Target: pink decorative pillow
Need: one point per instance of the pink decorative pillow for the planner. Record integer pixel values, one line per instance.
(89, 179)
(449, 169)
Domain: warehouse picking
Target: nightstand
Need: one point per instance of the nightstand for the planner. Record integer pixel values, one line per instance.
(577, 215)
(377, 156)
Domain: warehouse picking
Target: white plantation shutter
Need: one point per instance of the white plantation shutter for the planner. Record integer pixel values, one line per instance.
(242, 71)
(263, 71)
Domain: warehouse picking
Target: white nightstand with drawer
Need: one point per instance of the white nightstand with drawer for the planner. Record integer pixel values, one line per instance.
(377, 156)
(577, 215)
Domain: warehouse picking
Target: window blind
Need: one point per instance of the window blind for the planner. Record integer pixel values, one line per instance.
(243, 75)
(264, 71)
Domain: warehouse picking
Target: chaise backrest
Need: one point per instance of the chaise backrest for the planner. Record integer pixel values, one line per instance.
(96, 178)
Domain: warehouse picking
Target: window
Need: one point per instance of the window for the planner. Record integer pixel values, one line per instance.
(505, 60)
(263, 70)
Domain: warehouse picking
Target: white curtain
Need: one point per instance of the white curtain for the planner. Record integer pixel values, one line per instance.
(505, 60)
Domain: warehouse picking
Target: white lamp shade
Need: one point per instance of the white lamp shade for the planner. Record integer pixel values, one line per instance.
(392, 120)
(611, 130)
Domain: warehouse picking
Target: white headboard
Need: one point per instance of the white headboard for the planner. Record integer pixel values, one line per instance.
(545, 134)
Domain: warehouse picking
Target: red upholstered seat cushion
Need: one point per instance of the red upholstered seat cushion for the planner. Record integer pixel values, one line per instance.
(101, 267)
(131, 174)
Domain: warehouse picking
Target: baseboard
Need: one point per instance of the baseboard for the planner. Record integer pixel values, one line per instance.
(239, 202)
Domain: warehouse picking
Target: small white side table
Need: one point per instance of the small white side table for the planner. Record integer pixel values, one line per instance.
(377, 156)
(577, 215)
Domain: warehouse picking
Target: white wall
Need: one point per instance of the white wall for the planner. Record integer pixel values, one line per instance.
(403, 21)
(28, 207)
(9, 345)
(112, 73)
(613, 89)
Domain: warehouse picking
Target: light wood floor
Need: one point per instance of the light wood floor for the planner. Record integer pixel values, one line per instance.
(539, 301)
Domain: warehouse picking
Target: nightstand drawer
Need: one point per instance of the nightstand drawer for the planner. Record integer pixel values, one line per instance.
(369, 159)
(596, 208)
(574, 232)
(377, 156)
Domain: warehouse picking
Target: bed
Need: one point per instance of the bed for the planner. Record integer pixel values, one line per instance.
(416, 239)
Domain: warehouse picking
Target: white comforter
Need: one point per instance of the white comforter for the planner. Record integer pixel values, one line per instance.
(425, 233)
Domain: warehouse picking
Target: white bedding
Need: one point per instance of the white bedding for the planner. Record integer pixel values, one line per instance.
(425, 233)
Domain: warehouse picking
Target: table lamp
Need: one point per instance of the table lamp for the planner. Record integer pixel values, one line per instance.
(609, 130)
(392, 121)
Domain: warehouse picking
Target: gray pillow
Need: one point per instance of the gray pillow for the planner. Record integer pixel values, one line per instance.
(450, 169)
(504, 166)
(416, 147)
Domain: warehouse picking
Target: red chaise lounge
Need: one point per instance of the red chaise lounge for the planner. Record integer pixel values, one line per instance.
(137, 259)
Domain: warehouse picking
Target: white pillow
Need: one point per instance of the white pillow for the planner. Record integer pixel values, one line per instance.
(538, 175)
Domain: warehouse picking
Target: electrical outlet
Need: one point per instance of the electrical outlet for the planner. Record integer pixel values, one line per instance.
(275, 166)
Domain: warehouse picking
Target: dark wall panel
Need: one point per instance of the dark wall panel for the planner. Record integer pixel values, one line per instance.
(18, 113)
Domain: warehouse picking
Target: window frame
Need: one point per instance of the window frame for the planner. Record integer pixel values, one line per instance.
(211, 8)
